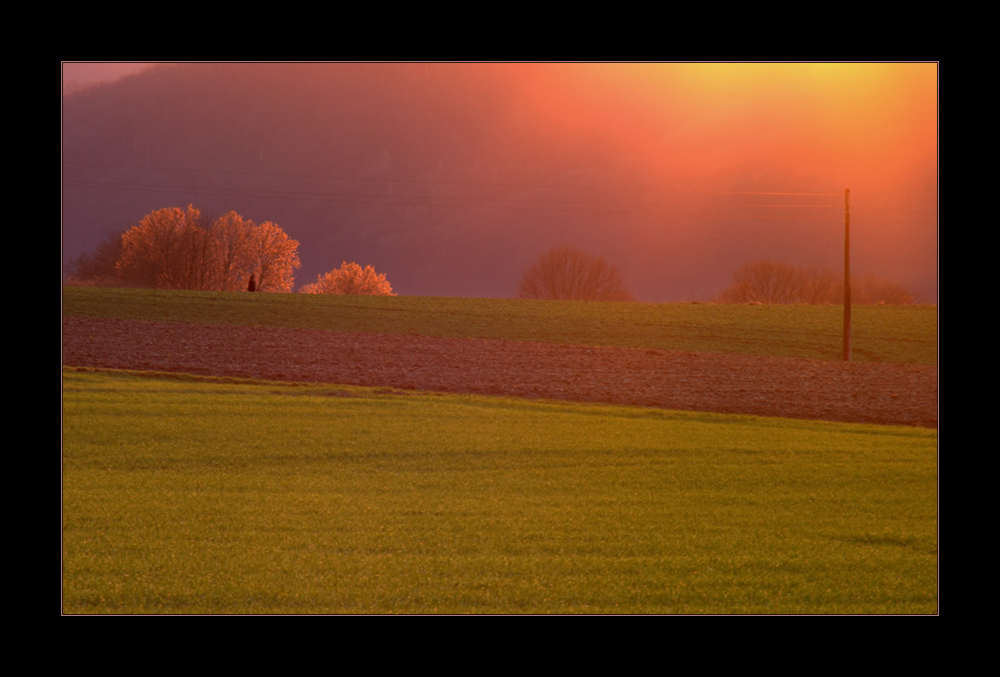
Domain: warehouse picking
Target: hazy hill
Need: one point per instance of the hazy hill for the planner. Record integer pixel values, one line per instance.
(451, 178)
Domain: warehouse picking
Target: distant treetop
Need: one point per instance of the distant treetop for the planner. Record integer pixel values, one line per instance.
(564, 273)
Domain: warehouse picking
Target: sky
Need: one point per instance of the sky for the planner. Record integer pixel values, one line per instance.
(736, 149)
(716, 128)
(93, 72)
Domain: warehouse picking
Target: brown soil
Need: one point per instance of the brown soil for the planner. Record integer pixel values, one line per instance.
(742, 384)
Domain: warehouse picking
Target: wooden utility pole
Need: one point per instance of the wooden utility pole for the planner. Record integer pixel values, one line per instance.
(847, 275)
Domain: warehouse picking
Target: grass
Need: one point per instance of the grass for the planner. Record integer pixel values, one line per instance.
(184, 495)
(902, 334)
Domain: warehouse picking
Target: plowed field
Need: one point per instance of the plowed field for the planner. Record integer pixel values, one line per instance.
(714, 382)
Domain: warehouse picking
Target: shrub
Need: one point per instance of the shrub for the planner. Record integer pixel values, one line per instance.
(350, 278)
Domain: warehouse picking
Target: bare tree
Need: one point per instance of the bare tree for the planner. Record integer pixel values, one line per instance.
(821, 285)
(765, 282)
(873, 290)
(97, 268)
(568, 274)
(769, 282)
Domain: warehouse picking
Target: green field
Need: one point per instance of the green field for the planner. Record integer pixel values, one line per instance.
(195, 495)
(901, 334)
(184, 495)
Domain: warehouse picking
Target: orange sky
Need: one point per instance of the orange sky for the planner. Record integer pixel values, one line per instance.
(679, 138)
(847, 123)
(824, 127)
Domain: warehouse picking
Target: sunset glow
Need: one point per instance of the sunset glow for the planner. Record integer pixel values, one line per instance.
(473, 170)
(871, 121)
(505, 338)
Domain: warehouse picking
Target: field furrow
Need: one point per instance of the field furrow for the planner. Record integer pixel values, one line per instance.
(712, 382)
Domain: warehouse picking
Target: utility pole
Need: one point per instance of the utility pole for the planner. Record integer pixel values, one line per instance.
(847, 275)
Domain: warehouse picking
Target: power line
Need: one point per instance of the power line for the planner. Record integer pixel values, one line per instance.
(756, 205)
(416, 181)
(385, 200)
(749, 192)
(694, 204)
(438, 201)
(326, 177)
(482, 200)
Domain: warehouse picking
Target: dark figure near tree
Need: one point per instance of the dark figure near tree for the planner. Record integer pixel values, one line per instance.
(253, 285)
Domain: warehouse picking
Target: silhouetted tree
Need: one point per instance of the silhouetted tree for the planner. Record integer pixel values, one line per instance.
(769, 282)
(873, 290)
(97, 268)
(568, 274)
(350, 278)
(765, 282)
(821, 285)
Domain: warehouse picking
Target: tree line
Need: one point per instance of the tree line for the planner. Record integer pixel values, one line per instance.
(569, 274)
(770, 282)
(172, 248)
